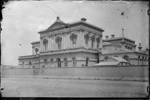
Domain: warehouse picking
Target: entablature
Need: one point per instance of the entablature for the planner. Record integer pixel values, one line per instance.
(69, 30)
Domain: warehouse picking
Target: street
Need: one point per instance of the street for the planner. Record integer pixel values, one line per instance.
(38, 87)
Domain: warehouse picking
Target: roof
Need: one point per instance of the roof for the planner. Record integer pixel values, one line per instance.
(35, 42)
(116, 62)
(58, 24)
(122, 51)
(119, 51)
(106, 43)
(119, 59)
(107, 63)
(117, 38)
(109, 43)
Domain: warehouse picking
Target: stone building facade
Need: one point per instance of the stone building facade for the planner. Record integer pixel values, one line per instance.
(62, 44)
(80, 44)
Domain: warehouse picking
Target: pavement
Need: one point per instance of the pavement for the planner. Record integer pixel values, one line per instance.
(56, 87)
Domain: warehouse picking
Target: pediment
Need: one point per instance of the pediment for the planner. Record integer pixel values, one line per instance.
(56, 25)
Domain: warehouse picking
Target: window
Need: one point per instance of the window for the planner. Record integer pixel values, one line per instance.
(58, 41)
(87, 60)
(59, 62)
(86, 37)
(106, 58)
(36, 50)
(92, 41)
(98, 42)
(51, 60)
(22, 64)
(74, 61)
(126, 57)
(65, 62)
(139, 57)
(45, 61)
(30, 63)
(73, 38)
(45, 43)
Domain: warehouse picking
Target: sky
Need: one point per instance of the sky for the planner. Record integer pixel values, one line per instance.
(22, 20)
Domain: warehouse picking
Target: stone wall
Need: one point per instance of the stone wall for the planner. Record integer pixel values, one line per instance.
(105, 72)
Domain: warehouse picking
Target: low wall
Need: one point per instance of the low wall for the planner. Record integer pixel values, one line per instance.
(111, 72)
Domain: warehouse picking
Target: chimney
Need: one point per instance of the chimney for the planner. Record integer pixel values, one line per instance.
(83, 19)
(58, 18)
(112, 35)
(140, 47)
(107, 37)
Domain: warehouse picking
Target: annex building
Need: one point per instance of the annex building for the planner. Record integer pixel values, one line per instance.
(76, 44)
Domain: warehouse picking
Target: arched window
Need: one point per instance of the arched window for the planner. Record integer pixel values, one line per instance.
(98, 42)
(106, 58)
(45, 43)
(51, 60)
(30, 63)
(59, 62)
(74, 61)
(86, 37)
(58, 41)
(22, 64)
(45, 61)
(65, 62)
(87, 61)
(126, 57)
(139, 57)
(92, 41)
(36, 50)
(73, 38)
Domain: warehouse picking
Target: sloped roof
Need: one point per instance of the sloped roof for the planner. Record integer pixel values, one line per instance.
(116, 62)
(109, 43)
(119, 51)
(58, 24)
(117, 38)
(119, 59)
(107, 63)
(106, 43)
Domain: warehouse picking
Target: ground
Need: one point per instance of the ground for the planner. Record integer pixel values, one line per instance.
(40, 87)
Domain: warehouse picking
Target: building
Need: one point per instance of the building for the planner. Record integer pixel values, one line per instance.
(80, 44)
(124, 48)
(76, 44)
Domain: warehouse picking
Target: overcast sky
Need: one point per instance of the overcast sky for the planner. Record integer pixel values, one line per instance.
(22, 20)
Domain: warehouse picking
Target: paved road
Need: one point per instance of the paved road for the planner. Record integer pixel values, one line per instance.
(35, 87)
